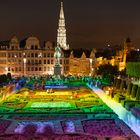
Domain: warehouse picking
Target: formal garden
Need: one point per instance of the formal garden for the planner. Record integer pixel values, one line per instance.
(58, 108)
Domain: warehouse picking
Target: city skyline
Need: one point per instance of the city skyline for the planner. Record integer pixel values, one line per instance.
(88, 24)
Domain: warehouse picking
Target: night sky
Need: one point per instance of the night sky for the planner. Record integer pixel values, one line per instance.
(89, 23)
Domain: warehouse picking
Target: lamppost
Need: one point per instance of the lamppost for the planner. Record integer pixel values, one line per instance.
(24, 66)
(91, 69)
(6, 70)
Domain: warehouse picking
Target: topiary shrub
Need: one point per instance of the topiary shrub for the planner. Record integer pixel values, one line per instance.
(134, 91)
(129, 88)
(138, 94)
(123, 85)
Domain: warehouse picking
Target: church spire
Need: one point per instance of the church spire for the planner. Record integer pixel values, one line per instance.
(61, 31)
(61, 11)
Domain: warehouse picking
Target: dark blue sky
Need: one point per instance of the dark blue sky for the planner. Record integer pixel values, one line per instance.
(89, 23)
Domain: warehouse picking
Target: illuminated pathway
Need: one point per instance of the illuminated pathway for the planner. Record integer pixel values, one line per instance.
(123, 114)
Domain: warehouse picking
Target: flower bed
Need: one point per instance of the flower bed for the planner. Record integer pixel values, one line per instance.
(102, 128)
(4, 125)
(68, 127)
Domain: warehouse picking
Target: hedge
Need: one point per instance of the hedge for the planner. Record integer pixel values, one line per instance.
(133, 69)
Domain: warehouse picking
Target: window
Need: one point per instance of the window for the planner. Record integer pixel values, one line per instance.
(36, 55)
(48, 68)
(19, 61)
(32, 54)
(19, 68)
(44, 54)
(36, 47)
(32, 68)
(36, 61)
(48, 62)
(32, 47)
(60, 61)
(39, 68)
(19, 54)
(32, 61)
(67, 61)
(12, 47)
(28, 62)
(67, 68)
(44, 68)
(28, 54)
(44, 61)
(40, 62)
(51, 61)
(36, 69)
(52, 54)
(48, 55)
(12, 54)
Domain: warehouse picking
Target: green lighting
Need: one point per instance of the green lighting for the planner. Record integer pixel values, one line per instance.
(52, 105)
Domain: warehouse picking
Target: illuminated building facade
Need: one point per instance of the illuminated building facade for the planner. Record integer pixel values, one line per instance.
(82, 62)
(27, 57)
(119, 59)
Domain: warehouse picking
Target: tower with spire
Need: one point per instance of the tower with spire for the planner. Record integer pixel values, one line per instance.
(61, 31)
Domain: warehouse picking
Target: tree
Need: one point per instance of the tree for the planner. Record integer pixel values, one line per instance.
(9, 76)
(108, 72)
(107, 69)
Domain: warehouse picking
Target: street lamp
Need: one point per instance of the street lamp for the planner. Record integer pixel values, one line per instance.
(91, 69)
(24, 63)
(6, 69)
